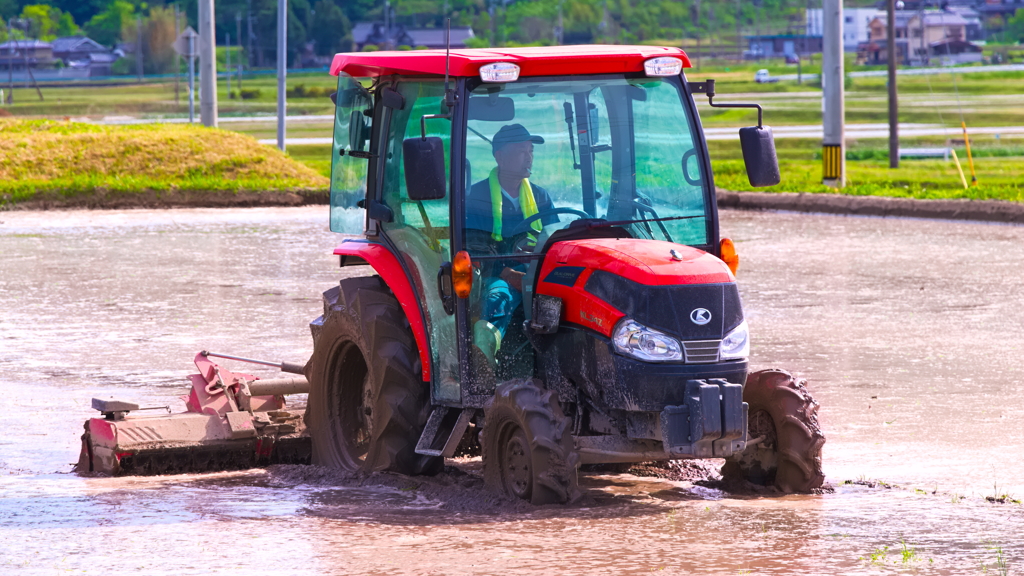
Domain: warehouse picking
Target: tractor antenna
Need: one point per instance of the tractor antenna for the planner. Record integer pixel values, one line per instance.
(449, 96)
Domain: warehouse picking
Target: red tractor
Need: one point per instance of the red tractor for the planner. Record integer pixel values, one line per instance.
(545, 275)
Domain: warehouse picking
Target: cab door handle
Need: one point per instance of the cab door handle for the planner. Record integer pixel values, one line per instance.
(444, 288)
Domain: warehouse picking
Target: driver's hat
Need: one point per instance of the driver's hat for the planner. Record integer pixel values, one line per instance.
(511, 134)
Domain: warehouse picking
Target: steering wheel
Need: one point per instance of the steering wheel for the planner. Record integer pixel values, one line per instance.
(691, 153)
(524, 226)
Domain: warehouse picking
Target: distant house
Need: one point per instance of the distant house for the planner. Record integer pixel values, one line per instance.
(81, 52)
(876, 52)
(937, 35)
(856, 25)
(973, 27)
(779, 45)
(17, 54)
(367, 33)
(1002, 8)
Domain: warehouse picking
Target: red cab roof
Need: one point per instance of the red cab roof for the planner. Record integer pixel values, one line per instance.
(534, 61)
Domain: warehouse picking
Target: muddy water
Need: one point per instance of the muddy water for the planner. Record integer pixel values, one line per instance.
(911, 334)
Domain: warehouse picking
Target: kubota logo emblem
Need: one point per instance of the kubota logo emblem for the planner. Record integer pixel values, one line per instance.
(700, 316)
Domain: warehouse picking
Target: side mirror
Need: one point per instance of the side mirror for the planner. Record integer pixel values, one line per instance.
(758, 146)
(424, 168)
(357, 131)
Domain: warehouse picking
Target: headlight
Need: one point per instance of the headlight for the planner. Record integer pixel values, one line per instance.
(736, 344)
(643, 343)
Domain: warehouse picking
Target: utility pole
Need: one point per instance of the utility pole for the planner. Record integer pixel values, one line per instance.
(207, 65)
(494, 27)
(894, 125)
(697, 27)
(251, 52)
(227, 60)
(10, 64)
(177, 57)
(833, 152)
(739, 39)
(559, 30)
(191, 78)
(138, 47)
(387, 25)
(604, 21)
(25, 23)
(238, 34)
(282, 68)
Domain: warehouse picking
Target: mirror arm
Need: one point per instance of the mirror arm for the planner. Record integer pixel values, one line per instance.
(708, 87)
(425, 117)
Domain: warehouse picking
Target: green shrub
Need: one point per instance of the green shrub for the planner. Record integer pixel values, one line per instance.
(302, 91)
(249, 93)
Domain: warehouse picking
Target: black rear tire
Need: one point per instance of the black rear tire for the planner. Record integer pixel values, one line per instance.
(367, 401)
(785, 418)
(527, 446)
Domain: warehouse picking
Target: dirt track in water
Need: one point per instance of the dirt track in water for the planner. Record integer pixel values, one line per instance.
(908, 332)
(460, 487)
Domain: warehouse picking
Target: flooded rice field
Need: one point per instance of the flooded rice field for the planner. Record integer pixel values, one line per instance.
(909, 332)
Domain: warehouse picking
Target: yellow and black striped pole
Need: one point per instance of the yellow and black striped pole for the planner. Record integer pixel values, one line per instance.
(833, 150)
(832, 164)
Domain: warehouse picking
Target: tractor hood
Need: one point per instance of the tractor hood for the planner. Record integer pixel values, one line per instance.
(657, 283)
(649, 262)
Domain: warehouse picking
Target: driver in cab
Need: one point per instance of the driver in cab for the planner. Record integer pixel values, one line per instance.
(495, 208)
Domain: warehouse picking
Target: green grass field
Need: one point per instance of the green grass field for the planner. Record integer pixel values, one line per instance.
(989, 99)
(999, 177)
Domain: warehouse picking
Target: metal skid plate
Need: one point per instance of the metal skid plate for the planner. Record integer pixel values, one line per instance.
(711, 424)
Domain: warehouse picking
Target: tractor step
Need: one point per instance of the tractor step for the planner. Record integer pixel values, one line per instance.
(443, 431)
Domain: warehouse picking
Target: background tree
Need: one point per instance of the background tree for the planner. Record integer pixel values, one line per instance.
(331, 29)
(106, 26)
(48, 22)
(1015, 27)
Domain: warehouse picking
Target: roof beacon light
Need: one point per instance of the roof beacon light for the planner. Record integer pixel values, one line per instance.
(663, 66)
(499, 72)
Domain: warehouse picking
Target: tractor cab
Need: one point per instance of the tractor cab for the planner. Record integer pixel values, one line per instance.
(546, 220)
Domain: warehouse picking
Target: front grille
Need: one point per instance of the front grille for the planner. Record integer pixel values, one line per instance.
(701, 351)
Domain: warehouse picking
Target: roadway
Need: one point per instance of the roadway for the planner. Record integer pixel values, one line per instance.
(916, 71)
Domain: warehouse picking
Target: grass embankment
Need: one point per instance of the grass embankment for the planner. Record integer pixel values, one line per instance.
(77, 163)
(999, 168)
(157, 98)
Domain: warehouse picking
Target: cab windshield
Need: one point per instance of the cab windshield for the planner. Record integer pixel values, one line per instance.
(542, 153)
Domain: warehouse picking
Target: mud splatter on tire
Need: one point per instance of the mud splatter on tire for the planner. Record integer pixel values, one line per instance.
(783, 421)
(367, 404)
(527, 448)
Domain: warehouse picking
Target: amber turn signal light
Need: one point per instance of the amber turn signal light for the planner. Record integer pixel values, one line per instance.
(729, 255)
(462, 274)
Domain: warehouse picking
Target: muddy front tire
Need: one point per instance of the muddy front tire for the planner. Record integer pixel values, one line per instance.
(367, 401)
(527, 446)
(783, 421)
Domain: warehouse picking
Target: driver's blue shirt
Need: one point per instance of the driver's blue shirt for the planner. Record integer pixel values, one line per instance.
(500, 300)
(479, 215)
